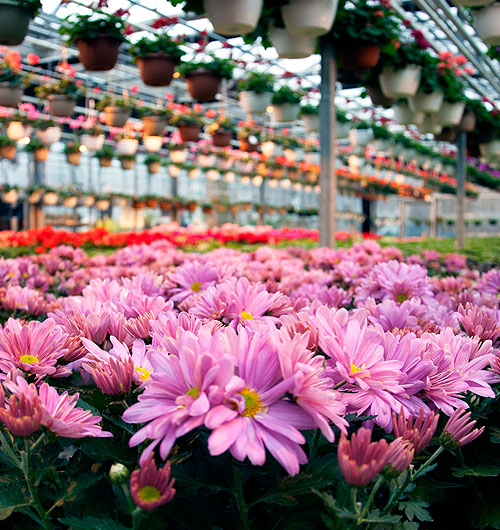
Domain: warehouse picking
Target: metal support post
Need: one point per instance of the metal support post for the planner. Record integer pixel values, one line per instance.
(433, 216)
(402, 218)
(328, 177)
(367, 207)
(461, 178)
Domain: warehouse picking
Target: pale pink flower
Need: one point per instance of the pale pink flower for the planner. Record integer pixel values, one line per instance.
(458, 429)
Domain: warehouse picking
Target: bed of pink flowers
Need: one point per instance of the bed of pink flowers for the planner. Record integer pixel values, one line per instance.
(277, 389)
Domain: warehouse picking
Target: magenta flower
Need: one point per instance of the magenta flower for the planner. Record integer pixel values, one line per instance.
(477, 322)
(114, 376)
(34, 347)
(458, 429)
(150, 486)
(419, 431)
(22, 415)
(191, 278)
(360, 459)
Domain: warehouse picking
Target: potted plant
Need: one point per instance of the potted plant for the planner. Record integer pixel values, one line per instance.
(203, 78)
(126, 146)
(105, 155)
(222, 130)
(165, 205)
(7, 147)
(11, 78)
(237, 18)
(92, 137)
(156, 58)
(360, 31)
(487, 23)
(249, 136)
(102, 202)
(430, 125)
(207, 208)
(154, 120)
(361, 134)
(255, 92)
(39, 150)
(73, 153)
(9, 193)
(150, 201)
(309, 20)
(152, 143)
(178, 153)
(47, 131)
(310, 117)
(429, 97)
(401, 70)
(452, 109)
(97, 36)
(34, 194)
(50, 196)
(404, 114)
(69, 198)
(190, 122)
(127, 161)
(117, 110)
(62, 96)
(343, 123)
(468, 122)
(286, 104)
(153, 163)
(15, 16)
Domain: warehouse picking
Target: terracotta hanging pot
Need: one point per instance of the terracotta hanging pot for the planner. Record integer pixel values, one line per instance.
(154, 167)
(10, 197)
(127, 164)
(10, 96)
(116, 116)
(50, 198)
(165, 206)
(105, 162)
(8, 152)
(222, 138)
(102, 204)
(190, 133)
(70, 202)
(41, 155)
(247, 147)
(99, 54)
(353, 55)
(73, 158)
(192, 206)
(203, 85)
(14, 22)
(61, 105)
(138, 205)
(152, 203)
(154, 125)
(207, 209)
(157, 69)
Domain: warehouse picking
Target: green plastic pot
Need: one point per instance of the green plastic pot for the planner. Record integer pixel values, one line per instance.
(14, 22)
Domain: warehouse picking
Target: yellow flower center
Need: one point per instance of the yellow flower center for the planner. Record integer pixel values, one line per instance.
(149, 494)
(355, 369)
(29, 359)
(193, 392)
(26, 275)
(144, 373)
(246, 316)
(196, 287)
(253, 404)
(401, 298)
(10, 275)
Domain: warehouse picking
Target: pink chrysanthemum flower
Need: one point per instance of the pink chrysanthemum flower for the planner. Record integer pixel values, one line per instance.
(22, 415)
(418, 431)
(400, 455)
(360, 459)
(490, 282)
(458, 429)
(476, 322)
(114, 376)
(150, 486)
(34, 347)
(190, 279)
(17, 298)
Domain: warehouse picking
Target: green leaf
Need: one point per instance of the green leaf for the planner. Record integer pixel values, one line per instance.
(486, 514)
(416, 509)
(481, 470)
(6, 512)
(376, 517)
(85, 523)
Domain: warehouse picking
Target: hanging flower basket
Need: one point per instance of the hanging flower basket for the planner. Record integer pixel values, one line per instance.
(105, 162)
(400, 83)
(354, 56)
(49, 136)
(99, 54)
(203, 85)
(41, 155)
(207, 209)
(8, 151)
(268, 148)
(16, 130)
(286, 112)
(127, 146)
(88, 201)
(152, 143)
(14, 22)
(405, 116)
(154, 167)
(154, 125)
(10, 197)
(248, 147)
(127, 163)
(312, 122)
(138, 205)
(151, 202)
(10, 96)
(157, 69)
(165, 206)
(360, 137)
(92, 142)
(189, 133)
(102, 204)
(428, 103)
(468, 122)
(70, 202)
(116, 116)
(290, 47)
(378, 98)
(253, 103)
(74, 158)
(178, 156)
(233, 18)
(206, 160)
(311, 19)
(488, 24)
(35, 197)
(222, 139)
(61, 105)
(451, 114)
(430, 125)
(50, 198)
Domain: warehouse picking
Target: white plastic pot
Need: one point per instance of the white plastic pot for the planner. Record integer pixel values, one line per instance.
(253, 103)
(360, 137)
(50, 198)
(268, 148)
(286, 112)
(312, 122)
(152, 143)
(92, 142)
(404, 116)
(450, 114)
(400, 83)
(290, 47)
(127, 146)
(236, 17)
(10, 197)
(430, 125)
(70, 202)
(16, 130)
(49, 136)
(428, 103)
(488, 24)
(178, 156)
(342, 130)
(490, 149)
(309, 19)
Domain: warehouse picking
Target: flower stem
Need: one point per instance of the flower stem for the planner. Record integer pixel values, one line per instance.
(314, 447)
(338, 385)
(424, 466)
(240, 498)
(8, 449)
(35, 499)
(375, 488)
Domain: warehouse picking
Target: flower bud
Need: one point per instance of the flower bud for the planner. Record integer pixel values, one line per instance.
(118, 473)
